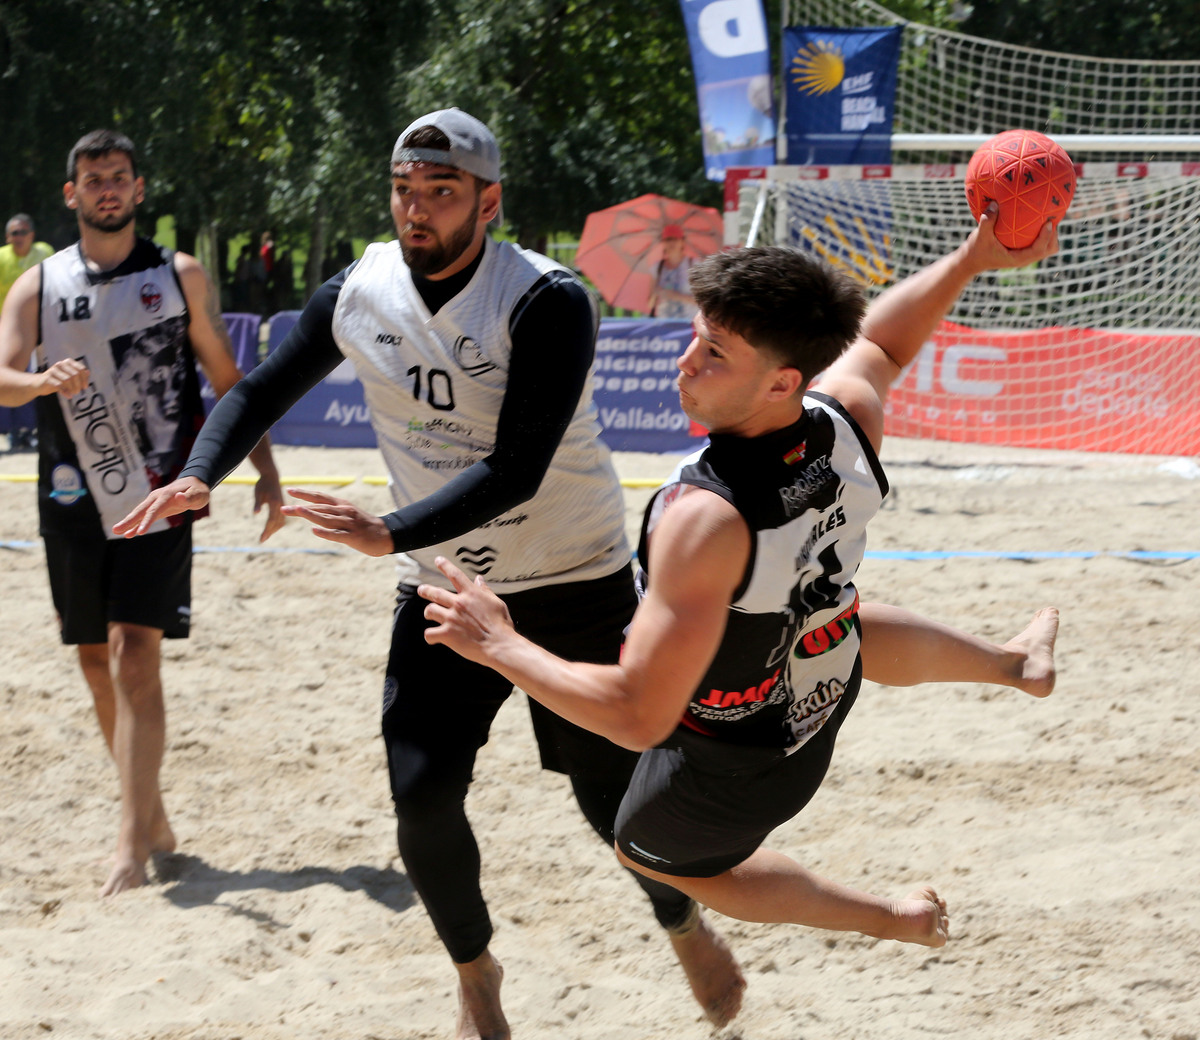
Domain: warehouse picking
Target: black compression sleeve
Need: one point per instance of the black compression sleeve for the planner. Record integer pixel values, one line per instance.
(554, 339)
(306, 356)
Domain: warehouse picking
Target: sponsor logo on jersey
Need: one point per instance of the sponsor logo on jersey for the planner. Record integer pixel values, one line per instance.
(152, 298)
(723, 700)
(389, 338)
(470, 358)
(821, 640)
(447, 426)
(811, 479)
(478, 560)
(66, 483)
(89, 411)
(505, 521)
(810, 713)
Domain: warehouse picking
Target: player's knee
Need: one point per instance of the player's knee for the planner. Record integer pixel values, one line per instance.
(419, 792)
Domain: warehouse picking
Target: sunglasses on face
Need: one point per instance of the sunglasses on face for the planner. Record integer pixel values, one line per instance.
(20, 231)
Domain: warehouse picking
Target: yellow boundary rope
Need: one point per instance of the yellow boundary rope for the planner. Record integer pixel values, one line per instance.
(30, 478)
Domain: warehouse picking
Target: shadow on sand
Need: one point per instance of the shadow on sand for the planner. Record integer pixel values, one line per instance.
(190, 882)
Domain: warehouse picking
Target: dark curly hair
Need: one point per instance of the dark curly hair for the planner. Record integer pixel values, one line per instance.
(785, 301)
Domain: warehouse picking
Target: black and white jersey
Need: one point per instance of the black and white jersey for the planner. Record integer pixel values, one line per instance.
(103, 450)
(791, 641)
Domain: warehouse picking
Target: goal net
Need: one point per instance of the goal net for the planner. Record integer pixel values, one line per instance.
(1096, 348)
(951, 83)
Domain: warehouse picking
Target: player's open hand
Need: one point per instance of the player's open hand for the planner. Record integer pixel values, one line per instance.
(177, 497)
(470, 620)
(267, 492)
(337, 520)
(989, 255)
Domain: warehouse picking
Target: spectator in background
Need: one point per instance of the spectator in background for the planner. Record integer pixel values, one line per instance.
(671, 297)
(267, 252)
(20, 252)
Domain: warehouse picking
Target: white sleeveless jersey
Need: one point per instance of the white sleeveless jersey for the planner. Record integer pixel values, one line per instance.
(130, 430)
(434, 385)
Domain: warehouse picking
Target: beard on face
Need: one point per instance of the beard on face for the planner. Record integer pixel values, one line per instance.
(431, 259)
(109, 222)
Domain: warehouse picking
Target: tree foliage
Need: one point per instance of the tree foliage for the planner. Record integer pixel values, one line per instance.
(282, 114)
(592, 103)
(1164, 30)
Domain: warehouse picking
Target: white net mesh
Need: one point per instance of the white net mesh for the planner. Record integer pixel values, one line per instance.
(952, 83)
(1096, 348)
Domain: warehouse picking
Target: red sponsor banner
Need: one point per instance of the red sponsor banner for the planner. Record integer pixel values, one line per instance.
(1063, 388)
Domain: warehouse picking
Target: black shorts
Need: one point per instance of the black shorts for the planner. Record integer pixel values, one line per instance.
(138, 581)
(440, 706)
(697, 807)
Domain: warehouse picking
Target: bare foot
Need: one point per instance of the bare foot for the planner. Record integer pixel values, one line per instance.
(712, 972)
(480, 1016)
(920, 917)
(1035, 648)
(162, 838)
(128, 872)
(129, 868)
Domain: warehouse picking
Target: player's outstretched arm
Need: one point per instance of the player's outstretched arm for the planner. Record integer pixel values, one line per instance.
(700, 551)
(901, 320)
(339, 520)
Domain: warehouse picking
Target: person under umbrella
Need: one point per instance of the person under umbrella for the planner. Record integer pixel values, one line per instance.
(671, 297)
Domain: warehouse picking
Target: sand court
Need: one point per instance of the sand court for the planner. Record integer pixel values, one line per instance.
(1062, 833)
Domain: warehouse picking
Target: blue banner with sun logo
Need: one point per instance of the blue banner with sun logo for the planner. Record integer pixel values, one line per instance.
(840, 91)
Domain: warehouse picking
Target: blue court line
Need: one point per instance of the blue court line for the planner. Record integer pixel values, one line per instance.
(871, 554)
(1078, 554)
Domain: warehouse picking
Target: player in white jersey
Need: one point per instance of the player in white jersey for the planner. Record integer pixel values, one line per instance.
(742, 659)
(118, 324)
(475, 358)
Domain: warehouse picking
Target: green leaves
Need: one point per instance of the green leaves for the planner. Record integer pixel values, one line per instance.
(282, 113)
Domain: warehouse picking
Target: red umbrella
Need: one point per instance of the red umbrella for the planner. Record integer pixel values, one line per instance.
(621, 246)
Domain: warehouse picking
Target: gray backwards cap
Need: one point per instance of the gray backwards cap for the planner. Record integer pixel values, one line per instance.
(473, 148)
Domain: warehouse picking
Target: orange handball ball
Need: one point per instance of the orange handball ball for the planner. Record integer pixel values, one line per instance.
(1029, 175)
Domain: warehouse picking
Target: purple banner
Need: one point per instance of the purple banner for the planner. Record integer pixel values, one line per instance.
(333, 413)
(634, 385)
